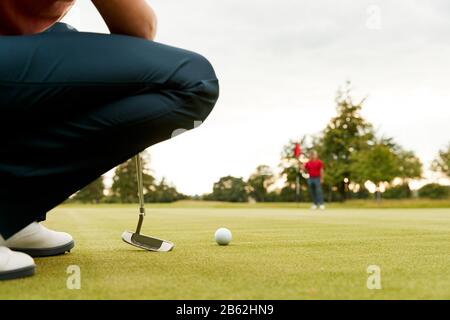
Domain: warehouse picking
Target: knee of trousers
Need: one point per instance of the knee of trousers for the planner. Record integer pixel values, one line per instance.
(200, 90)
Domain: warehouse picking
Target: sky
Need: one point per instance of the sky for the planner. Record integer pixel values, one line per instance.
(280, 63)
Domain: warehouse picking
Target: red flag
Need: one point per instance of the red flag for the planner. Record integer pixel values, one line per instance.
(297, 150)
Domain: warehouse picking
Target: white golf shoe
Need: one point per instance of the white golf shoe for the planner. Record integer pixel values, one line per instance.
(38, 241)
(322, 207)
(313, 207)
(14, 265)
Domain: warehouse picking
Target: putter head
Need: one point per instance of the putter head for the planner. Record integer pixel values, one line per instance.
(147, 243)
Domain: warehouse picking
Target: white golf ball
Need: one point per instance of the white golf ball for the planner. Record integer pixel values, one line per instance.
(223, 236)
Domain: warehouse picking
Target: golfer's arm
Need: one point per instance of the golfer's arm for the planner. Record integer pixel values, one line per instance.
(128, 17)
(322, 173)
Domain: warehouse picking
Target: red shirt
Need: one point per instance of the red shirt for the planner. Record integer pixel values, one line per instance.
(314, 167)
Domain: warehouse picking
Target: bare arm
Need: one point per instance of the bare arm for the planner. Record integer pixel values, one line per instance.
(322, 175)
(129, 17)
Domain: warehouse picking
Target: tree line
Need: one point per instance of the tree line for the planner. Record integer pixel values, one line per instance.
(124, 187)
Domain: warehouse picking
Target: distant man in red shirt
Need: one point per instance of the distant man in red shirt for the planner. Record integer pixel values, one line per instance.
(315, 167)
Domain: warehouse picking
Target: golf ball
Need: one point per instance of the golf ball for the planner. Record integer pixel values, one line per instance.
(223, 236)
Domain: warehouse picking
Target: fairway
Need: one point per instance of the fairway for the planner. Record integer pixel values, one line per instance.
(276, 253)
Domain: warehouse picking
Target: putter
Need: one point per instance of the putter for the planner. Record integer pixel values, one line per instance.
(136, 238)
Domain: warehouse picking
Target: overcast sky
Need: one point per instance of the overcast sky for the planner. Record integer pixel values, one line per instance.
(280, 63)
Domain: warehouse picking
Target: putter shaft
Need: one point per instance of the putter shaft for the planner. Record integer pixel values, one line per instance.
(140, 183)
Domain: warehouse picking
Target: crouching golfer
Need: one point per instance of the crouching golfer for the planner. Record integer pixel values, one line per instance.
(74, 105)
(314, 167)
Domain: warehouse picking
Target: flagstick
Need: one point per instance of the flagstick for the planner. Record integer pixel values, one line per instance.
(297, 154)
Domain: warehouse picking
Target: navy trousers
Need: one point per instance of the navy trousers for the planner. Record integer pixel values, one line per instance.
(73, 105)
(315, 189)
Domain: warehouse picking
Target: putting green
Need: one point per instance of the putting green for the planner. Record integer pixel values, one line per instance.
(283, 253)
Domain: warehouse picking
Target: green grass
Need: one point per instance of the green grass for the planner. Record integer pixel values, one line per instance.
(276, 253)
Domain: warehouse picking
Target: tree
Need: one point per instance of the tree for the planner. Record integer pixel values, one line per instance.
(400, 191)
(230, 189)
(92, 193)
(124, 187)
(259, 182)
(434, 191)
(442, 162)
(345, 135)
(163, 192)
(377, 164)
(410, 166)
